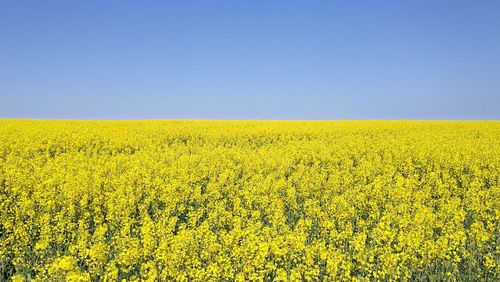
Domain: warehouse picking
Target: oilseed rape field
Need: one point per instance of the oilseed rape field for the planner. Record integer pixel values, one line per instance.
(249, 201)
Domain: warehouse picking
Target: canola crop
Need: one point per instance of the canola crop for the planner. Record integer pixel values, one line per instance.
(249, 201)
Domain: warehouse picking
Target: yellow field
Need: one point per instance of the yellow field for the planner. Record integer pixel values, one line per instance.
(248, 200)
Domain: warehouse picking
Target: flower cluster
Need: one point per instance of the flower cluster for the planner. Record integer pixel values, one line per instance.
(249, 201)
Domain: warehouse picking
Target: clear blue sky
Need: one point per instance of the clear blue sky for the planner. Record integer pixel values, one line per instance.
(243, 59)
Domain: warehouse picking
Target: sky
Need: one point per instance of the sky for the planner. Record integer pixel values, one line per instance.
(249, 59)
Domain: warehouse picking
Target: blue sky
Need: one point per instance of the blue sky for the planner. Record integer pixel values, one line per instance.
(245, 59)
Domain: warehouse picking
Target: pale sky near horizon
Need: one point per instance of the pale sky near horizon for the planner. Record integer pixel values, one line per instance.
(279, 59)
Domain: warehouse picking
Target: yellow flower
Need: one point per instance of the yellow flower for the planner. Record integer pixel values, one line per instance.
(248, 200)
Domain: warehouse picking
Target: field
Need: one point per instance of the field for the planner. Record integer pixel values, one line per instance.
(249, 200)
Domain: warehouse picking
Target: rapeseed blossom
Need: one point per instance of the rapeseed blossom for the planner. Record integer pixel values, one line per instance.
(249, 201)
